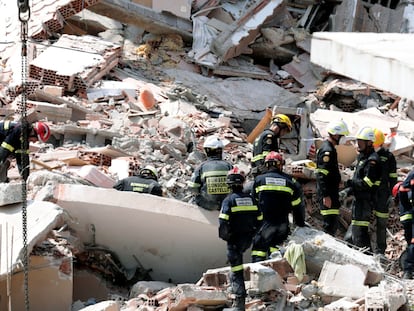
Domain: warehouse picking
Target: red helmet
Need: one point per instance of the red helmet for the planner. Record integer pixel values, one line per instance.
(42, 131)
(274, 158)
(235, 177)
(395, 189)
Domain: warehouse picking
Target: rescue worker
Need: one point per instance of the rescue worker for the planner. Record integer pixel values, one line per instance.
(268, 141)
(146, 181)
(328, 176)
(11, 144)
(384, 198)
(364, 185)
(208, 180)
(277, 194)
(403, 195)
(239, 220)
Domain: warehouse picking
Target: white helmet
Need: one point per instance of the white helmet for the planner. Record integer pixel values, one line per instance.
(213, 142)
(366, 133)
(337, 128)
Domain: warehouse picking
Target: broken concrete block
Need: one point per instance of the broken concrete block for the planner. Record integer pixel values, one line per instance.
(149, 288)
(10, 193)
(92, 174)
(343, 304)
(103, 306)
(264, 279)
(342, 280)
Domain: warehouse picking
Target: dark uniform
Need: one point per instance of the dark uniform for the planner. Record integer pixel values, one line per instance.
(209, 183)
(384, 198)
(267, 141)
(11, 145)
(277, 194)
(139, 184)
(364, 185)
(238, 222)
(406, 217)
(328, 178)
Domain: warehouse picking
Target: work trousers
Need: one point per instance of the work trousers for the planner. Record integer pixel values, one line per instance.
(381, 216)
(330, 215)
(268, 236)
(235, 250)
(361, 215)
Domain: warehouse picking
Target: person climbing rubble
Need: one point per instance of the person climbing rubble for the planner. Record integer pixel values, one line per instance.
(384, 197)
(328, 176)
(364, 185)
(268, 141)
(208, 181)
(145, 181)
(402, 193)
(277, 194)
(239, 220)
(11, 144)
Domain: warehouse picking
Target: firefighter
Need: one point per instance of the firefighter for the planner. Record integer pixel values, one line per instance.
(208, 181)
(384, 197)
(268, 141)
(239, 220)
(145, 181)
(403, 195)
(328, 176)
(277, 194)
(364, 185)
(11, 144)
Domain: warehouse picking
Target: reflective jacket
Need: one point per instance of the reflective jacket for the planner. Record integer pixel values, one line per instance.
(139, 184)
(267, 141)
(367, 177)
(277, 194)
(208, 182)
(11, 144)
(388, 171)
(239, 217)
(327, 172)
(405, 198)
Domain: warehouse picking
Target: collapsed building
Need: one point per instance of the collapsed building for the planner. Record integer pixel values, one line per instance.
(85, 238)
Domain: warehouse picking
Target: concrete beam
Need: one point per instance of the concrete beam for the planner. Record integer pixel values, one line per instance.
(383, 60)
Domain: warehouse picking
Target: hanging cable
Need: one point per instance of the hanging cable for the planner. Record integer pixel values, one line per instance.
(24, 16)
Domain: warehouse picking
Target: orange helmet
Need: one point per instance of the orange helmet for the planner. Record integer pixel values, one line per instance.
(379, 138)
(42, 131)
(395, 189)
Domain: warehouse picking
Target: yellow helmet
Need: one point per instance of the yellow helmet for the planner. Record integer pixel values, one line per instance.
(366, 133)
(282, 119)
(379, 138)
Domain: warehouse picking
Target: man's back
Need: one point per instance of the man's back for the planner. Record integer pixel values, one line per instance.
(139, 184)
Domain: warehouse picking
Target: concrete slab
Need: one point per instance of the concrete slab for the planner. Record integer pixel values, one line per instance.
(42, 217)
(177, 240)
(383, 60)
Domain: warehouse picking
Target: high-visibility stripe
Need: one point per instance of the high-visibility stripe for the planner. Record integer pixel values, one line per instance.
(381, 215)
(368, 181)
(237, 268)
(360, 223)
(260, 156)
(260, 217)
(393, 175)
(193, 184)
(246, 208)
(322, 171)
(331, 211)
(7, 146)
(274, 187)
(6, 125)
(273, 249)
(224, 216)
(296, 202)
(214, 174)
(259, 254)
(406, 217)
(21, 151)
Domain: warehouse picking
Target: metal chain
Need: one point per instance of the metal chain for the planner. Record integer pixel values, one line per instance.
(24, 16)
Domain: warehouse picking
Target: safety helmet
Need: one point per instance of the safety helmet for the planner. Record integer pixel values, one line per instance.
(379, 138)
(213, 147)
(42, 131)
(337, 128)
(274, 158)
(235, 177)
(395, 189)
(149, 171)
(366, 133)
(282, 120)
